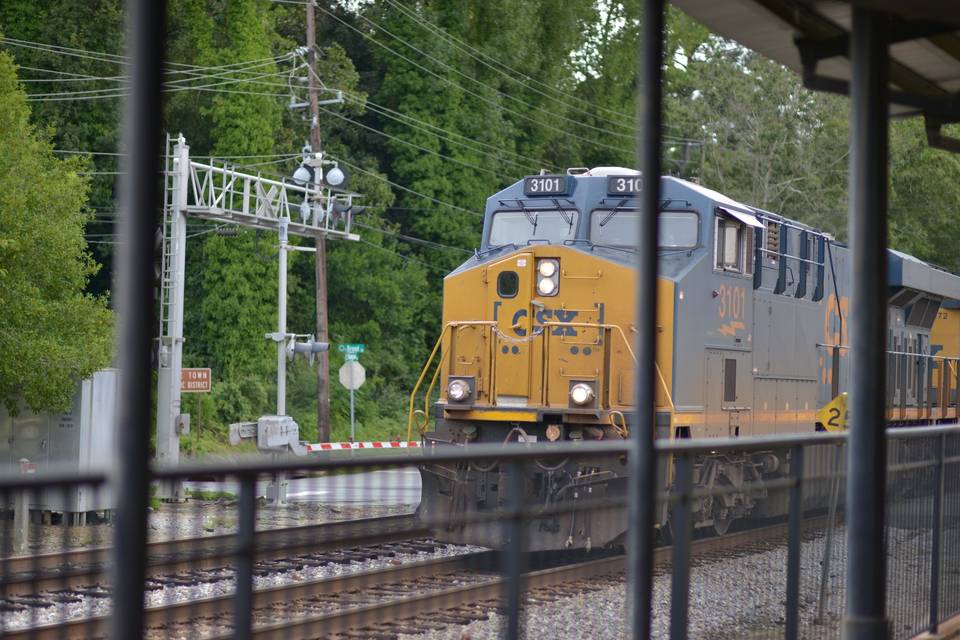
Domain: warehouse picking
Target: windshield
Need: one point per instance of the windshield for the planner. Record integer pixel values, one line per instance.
(544, 225)
(678, 229)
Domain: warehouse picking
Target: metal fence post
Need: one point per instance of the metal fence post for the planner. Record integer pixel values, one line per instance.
(680, 553)
(643, 460)
(139, 203)
(865, 617)
(21, 512)
(511, 555)
(937, 542)
(828, 542)
(246, 530)
(795, 527)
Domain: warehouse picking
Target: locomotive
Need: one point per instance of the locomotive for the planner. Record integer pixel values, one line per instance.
(536, 346)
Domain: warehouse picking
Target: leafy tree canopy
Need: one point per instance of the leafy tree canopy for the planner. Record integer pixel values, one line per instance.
(53, 333)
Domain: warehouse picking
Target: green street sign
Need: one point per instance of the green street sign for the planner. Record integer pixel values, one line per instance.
(351, 351)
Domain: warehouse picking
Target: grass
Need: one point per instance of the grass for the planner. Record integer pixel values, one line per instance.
(210, 496)
(155, 502)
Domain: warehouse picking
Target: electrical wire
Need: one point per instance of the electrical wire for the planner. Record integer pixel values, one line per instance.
(410, 144)
(404, 257)
(526, 81)
(481, 97)
(407, 189)
(412, 239)
(452, 137)
(168, 87)
(432, 129)
(119, 59)
(518, 101)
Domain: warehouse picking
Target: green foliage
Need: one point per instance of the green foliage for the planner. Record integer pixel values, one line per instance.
(924, 196)
(498, 89)
(53, 334)
(210, 496)
(89, 125)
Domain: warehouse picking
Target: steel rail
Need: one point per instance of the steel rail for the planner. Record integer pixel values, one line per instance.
(394, 609)
(283, 594)
(79, 566)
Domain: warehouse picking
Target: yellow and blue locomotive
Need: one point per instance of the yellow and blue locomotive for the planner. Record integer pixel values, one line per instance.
(537, 338)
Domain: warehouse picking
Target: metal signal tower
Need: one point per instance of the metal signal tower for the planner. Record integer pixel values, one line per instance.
(224, 195)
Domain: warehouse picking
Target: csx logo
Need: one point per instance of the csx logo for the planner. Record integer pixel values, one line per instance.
(540, 317)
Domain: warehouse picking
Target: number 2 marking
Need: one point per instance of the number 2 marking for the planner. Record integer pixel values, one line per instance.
(834, 417)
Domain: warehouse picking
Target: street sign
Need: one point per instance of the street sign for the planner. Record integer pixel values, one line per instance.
(195, 380)
(352, 351)
(352, 375)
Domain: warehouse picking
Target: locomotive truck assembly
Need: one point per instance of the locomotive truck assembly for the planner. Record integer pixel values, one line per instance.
(536, 345)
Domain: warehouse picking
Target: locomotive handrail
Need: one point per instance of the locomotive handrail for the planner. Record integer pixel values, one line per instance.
(490, 323)
(433, 380)
(597, 325)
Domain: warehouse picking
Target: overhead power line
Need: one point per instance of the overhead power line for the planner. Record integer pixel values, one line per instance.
(413, 239)
(594, 143)
(405, 257)
(407, 143)
(452, 137)
(507, 96)
(406, 189)
(505, 70)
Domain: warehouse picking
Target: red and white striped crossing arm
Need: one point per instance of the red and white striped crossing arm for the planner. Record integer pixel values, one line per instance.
(338, 446)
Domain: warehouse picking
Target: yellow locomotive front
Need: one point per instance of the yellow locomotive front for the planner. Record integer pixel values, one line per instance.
(536, 346)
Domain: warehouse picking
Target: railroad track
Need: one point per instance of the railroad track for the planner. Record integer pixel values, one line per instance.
(26, 575)
(394, 599)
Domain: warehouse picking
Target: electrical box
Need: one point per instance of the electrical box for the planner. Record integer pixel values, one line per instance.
(275, 433)
(79, 440)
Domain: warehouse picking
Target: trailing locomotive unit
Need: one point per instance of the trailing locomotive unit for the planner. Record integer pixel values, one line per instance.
(751, 339)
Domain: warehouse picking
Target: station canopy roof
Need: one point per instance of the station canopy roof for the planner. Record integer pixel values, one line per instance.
(812, 38)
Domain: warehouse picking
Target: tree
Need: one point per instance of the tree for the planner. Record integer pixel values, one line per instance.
(763, 138)
(53, 334)
(84, 124)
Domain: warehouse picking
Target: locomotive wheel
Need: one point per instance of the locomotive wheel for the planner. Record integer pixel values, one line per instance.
(665, 533)
(721, 525)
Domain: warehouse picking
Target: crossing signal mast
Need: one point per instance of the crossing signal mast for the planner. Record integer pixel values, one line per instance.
(307, 208)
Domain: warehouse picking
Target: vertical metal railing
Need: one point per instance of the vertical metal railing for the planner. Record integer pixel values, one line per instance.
(795, 530)
(512, 555)
(642, 462)
(937, 526)
(246, 530)
(140, 200)
(866, 617)
(681, 528)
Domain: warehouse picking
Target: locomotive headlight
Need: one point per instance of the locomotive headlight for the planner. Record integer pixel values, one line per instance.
(546, 286)
(581, 393)
(548, 276)
(458, 390)
(547, 268)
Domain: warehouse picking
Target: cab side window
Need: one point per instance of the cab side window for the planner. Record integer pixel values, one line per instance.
(508, 284)
(732, 252)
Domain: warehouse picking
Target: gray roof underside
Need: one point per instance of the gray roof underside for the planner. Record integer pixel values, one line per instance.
(907, 271)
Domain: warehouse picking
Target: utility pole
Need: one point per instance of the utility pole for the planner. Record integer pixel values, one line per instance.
(323, 362)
